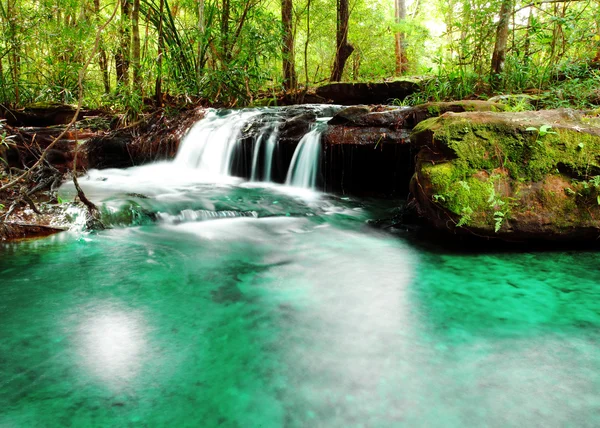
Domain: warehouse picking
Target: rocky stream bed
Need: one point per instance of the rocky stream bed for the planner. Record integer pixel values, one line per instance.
(467, 168)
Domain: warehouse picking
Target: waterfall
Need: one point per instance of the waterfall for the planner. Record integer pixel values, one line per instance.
(223, 137)
(270, 134)
(305, 162)
(211, 142)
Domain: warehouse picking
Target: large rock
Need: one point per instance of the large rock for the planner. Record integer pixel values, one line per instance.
(516, 176)
(395, 117)
(367, 150)
(156, 137)
(291, 123)
(366, 93)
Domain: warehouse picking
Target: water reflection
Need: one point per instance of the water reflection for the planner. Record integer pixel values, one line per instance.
(112, 343)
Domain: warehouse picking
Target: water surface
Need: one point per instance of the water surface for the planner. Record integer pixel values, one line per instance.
(237, 305)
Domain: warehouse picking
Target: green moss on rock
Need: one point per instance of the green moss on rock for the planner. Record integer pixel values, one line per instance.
(490, 173)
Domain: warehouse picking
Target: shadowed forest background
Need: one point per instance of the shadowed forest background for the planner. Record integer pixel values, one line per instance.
(230, 52)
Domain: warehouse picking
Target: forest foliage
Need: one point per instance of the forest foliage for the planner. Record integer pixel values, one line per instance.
(230, 52)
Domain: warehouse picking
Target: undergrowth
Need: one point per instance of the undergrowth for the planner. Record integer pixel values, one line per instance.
(572, 85)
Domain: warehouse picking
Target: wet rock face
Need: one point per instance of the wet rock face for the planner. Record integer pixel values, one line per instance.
(156, 139)
(487, 174)
(366, 93)
(373, 169)
(367, 150)
(290, 124)
(406, 117)
(108, 152)
(364, 152)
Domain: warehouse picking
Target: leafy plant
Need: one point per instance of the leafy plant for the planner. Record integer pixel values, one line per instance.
(465, 218)
(496, 203)
(541, 132)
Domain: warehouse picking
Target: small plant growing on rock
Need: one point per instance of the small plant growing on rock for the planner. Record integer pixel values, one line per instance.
(542, 131)
(496, 204)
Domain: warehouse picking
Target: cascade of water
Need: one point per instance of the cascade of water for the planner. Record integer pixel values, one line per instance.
(215, 141)
(210, 144)
(268, 135)
(305, 162)
(269, 150)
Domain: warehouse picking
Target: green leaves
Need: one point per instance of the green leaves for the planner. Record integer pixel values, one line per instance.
(542, 130)
(496, 204)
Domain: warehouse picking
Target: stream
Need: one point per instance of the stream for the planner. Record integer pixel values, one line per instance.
(215, 301)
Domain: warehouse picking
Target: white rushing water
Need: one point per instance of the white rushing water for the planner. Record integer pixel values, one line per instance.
(268, 135)
(211, 142)
(305, 162)
(205, 157)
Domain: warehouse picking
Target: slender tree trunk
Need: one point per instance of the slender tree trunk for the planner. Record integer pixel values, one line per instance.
(102, 57)
(15, 44)
(597, 58)
(201, 41)
(158, 86)
(343, 48)
(499, 55)
(307, 41)
(400, 36)
(122, 57)
(527, 46)
(225, 30)
(289, 71)
(135, 48)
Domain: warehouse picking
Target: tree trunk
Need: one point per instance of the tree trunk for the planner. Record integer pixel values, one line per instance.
(158, 86)
(307, 41)
(102, 57)
(527, 45)
(122, 57)
(499, 54)
(597, 58)
(400, 36)
(201, 31)
(225, 30)
(289, 71)
(14, 59)
(135, 49)
(343, 48)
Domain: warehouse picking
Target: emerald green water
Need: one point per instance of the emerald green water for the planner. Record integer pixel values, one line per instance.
(295, 314)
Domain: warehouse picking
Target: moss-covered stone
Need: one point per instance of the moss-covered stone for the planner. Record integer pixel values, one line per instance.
(515, 175)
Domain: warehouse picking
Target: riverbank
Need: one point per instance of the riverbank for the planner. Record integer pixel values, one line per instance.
(365, 151)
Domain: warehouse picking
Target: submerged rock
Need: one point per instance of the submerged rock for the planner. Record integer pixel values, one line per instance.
(515, 176)
(18, 231)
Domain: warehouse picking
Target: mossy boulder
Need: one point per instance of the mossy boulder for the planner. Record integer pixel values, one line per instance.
(515, 176)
